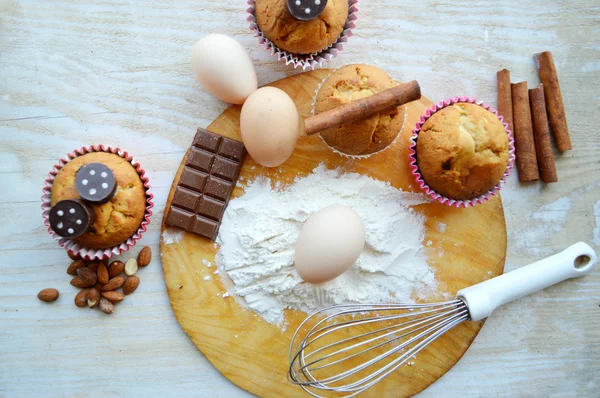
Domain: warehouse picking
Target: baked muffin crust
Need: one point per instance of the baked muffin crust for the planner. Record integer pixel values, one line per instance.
(366, 136)
(462, 151)
(116, 220)
(301, 37)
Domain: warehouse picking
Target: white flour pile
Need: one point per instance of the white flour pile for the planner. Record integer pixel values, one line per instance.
(260, 229)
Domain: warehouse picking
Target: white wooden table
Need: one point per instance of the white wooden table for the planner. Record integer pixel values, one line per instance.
(73, 73)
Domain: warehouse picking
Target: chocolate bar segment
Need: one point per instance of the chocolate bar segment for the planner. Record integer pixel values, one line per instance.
(207, 140)
(218, 188)
(233, 150)
(204, 227)
(225, 169)
(210, 207)
(199, 159)
(179, 218)
(193, 179)
(211, 170)
(185, 198)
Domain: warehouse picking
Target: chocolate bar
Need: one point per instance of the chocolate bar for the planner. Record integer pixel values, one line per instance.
(305, 10)
(208, 178)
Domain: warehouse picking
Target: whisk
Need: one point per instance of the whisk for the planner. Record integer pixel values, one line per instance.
(352, 347)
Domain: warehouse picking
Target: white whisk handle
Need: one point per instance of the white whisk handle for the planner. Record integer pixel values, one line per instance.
(483, 298)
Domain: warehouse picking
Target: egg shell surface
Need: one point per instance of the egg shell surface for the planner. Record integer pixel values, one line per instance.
(224, 68)
(269, 124)
(329, 242)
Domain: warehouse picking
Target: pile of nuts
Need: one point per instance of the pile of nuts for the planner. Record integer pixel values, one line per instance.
(99, 281)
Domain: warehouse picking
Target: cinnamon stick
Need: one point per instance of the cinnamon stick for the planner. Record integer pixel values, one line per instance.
(363, 108)
(541, 132)
(554, 102)
(505, 107)
(524, 141)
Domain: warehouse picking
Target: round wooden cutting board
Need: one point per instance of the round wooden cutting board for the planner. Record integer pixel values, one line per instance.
(252, 353)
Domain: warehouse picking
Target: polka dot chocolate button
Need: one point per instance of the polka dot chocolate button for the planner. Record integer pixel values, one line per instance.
(305, 10)
(96, 183)
(71, 218)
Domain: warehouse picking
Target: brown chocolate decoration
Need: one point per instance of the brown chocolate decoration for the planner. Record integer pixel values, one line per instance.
(71, 218)
(305, 10)
(209, 176)
(96, 183)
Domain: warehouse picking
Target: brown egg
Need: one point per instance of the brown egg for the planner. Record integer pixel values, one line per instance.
(269, 124)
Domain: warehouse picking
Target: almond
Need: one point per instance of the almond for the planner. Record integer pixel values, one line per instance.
(113, 284)
(145, 256)
(93, 266)
(102, 273)
(106, 306)
(79, 282)
(131, 267)
(115, 268)
(98, 286)
(89, 277)
(74, 266)
(131, 284)
(92, 298)
(105, 261)
(73, 256)
(113, 297)
(48, 295)
(81, 298)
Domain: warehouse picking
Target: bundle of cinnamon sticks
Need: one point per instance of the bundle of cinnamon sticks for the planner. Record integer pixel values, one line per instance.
(527, 115)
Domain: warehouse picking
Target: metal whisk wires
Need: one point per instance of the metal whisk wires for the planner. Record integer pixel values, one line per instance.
(355, 346)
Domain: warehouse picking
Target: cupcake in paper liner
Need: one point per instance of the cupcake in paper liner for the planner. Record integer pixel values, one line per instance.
(305, 44)
(96, 201)
(461, 152)
(366, 137)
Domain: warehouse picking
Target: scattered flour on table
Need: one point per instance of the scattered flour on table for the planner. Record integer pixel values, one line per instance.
(550, 219)
(172, 235)
(260, 229)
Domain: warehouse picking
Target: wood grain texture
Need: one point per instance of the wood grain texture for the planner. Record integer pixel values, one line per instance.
(470, 248)
(74, 73)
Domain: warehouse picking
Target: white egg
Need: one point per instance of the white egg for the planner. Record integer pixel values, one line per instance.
(224, 68)
(269, 124)
(329, 242)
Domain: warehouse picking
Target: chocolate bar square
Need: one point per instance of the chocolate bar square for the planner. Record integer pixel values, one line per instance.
(179, 218)
(209, 176)
(205, 227)
(211, 208)
(218, 188)
(185, 198)
(225, 168)
(193, 179)
(200, 159)
(207, 140)
(232, 150)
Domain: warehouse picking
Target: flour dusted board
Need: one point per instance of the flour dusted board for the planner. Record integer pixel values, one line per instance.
(253, 353)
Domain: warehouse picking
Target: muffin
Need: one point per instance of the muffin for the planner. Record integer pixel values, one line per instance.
(119, 218)
(462, 151)
(301, 37)
(367, 136)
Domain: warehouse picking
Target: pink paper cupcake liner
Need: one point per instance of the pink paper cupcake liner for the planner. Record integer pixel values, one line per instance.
(74, 247)
(413, 156)
(305, 61)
